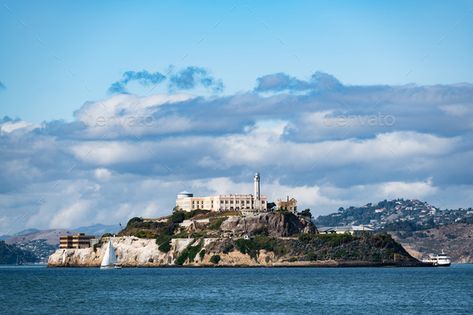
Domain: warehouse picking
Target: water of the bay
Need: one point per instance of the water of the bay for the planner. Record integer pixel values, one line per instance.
(32, 289)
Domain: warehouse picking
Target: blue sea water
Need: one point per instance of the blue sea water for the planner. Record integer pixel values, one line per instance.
(42, 290)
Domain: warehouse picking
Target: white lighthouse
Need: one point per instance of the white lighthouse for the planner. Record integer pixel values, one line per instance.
(257, 192)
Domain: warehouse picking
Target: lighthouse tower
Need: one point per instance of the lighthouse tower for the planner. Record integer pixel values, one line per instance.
(257, 192)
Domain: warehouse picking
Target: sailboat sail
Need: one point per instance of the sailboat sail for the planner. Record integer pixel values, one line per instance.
(109, 258)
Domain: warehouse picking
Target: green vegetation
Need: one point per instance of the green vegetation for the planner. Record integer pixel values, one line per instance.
(346, 247)
(198, 234)
(194, 250)
(165, 247)
(133, 221)
(253, 246)
(170, 225)
(144, 234)
(164, 242)
(227, 247)
(202, 254)
(189, 253)
(178, 217)
(327, 239)
(215, 259)
(215, 223)
(306, 213)
(181, 234)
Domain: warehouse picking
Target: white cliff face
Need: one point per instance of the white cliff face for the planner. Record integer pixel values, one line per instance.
(136, 252)
(131, 252)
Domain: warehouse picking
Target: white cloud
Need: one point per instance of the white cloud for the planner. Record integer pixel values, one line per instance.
(262, 147)
(457, 109)
(113, 152)
(69, 216)
(128, 155)
(20, 125)
(416, 190)
(126, 114)
(102, 174)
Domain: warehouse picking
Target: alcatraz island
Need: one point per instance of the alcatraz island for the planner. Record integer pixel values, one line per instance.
(233, 230)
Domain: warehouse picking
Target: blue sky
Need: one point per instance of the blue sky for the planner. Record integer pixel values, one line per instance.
(108, 109)
(58, 54)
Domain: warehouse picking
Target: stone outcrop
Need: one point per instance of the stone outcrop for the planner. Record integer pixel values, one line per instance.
(272, 224)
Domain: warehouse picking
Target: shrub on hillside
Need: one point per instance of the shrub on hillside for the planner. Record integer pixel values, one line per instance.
(133, 221)
(164, 242)
(144, 234)
(165, 247)
(215, 259)
(253, 246)
(189, 253)
(178, 217)
(215, 223)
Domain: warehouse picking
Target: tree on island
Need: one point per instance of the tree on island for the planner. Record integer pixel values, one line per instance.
(306, 213)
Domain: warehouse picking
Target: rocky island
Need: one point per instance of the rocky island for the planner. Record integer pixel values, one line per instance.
(202, 238)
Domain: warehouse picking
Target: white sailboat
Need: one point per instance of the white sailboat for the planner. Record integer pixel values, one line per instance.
(109, 258)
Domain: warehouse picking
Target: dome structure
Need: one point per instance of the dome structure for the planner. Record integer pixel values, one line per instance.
(184, 194)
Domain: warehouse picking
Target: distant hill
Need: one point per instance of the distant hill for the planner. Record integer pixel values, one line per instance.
(421, 228)
(27, 231)
(395, 215)
(455, 239)
(99, 229)
(50, 236)
(42, 243)
(11, 254)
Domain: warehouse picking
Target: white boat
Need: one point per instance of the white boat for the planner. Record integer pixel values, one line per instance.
(440, 260)
(109, 259)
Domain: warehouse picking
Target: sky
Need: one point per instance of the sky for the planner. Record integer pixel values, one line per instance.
(108, 109)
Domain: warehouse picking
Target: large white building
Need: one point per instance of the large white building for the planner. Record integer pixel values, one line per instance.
(248, 203)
